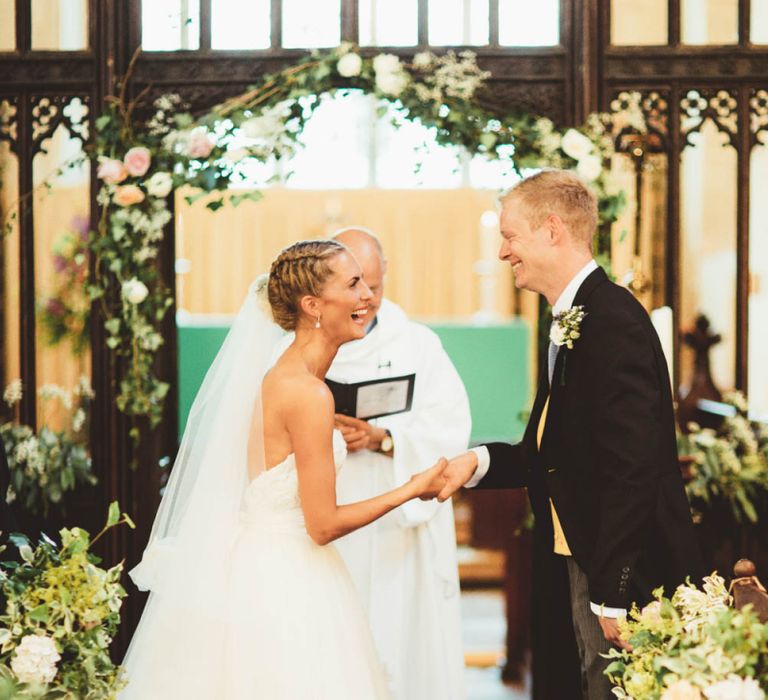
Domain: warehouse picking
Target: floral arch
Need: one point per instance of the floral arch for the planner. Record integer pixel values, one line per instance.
(142, 161)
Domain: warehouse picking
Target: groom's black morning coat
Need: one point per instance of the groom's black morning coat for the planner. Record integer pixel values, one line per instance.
(608, 461)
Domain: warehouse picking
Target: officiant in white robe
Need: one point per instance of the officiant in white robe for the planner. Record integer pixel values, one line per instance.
(405, 564)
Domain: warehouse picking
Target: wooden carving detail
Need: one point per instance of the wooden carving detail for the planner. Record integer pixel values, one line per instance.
(719, 106)
(50, 112)
(758, 116)
(8, 124)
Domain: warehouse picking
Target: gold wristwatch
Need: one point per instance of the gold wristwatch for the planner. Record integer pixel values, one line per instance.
(387, 444)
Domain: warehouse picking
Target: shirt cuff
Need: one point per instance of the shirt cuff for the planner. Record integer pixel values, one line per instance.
(603, 611)
(483, 464)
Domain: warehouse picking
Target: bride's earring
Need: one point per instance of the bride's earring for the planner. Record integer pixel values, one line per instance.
(317, 322)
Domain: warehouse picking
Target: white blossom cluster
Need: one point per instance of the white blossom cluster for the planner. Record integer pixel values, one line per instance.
(53, 391)
(696, 605)
(13, 392)
(165, 107)
(449, 75)
(35, 659)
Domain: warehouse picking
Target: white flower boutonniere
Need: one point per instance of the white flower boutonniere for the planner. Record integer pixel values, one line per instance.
(566, 326)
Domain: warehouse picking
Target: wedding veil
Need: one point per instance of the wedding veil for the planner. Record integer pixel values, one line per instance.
(197, 521)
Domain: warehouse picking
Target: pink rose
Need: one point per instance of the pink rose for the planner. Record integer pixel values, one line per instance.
(199, 145)
(682, 690)
(111, 171)
(127, 195)
(137, 161)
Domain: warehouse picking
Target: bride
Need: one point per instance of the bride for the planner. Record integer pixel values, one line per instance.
(248, 600)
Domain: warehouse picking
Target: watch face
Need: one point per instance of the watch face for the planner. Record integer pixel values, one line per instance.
(386, 444)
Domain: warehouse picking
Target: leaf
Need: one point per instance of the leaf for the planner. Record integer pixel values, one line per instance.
(215, 205)
(129, 521)
(39, 614)
(113, 517)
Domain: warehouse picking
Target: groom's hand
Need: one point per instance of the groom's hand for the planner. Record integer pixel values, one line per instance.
(459, 472)
(610, 627)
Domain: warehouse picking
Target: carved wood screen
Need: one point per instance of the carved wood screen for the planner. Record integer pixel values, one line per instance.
(565, 82)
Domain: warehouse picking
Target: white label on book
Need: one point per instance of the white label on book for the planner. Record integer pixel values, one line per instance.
(382, 398)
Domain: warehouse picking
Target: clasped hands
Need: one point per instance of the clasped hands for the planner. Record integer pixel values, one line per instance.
(446, 477)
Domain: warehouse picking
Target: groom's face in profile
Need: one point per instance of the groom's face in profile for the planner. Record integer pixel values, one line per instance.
(527, 250)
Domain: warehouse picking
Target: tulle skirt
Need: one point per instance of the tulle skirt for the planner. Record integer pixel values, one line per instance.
(287, 625)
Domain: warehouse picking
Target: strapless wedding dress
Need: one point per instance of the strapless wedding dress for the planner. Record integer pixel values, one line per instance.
(291, 627)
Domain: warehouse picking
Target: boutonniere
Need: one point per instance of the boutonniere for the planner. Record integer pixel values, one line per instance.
(566, 326)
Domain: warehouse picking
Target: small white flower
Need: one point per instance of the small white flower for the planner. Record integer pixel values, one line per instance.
(589, 167)
(134, 291)
(349, 65)
(13, 392)
(576, 145)
(566, 326)
(681, 690)
(78, 420)
(392, 84)
(734, 688)
(386, 63)
(557, 334)
(159, 185)
(423, 60)
(35, 659)
(10, 495)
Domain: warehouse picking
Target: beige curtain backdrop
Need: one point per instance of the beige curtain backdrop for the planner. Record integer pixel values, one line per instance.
(432, 240)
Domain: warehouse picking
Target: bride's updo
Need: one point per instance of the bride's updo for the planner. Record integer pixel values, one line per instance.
(299, 269)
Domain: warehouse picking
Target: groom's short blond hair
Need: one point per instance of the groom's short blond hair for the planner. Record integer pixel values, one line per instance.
(559, 192)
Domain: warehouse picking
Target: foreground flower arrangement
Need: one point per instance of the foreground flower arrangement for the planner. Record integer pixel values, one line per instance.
(692, 647)
(730, 464)
(141, 163)
(59, 611)
(46, 464)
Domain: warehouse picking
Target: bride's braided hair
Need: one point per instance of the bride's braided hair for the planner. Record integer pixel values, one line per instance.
(299, 269)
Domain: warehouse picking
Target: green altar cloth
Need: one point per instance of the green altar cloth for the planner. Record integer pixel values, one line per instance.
(492, 360)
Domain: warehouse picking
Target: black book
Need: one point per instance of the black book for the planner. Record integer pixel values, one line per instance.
(373, 398)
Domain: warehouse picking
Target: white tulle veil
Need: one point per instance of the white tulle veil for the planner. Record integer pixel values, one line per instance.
(197, 521)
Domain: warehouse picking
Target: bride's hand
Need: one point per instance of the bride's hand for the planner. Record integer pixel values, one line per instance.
(430, 482)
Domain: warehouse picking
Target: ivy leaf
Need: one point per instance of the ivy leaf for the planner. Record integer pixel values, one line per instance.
(215, 205)
(113, 517)
(40, 613)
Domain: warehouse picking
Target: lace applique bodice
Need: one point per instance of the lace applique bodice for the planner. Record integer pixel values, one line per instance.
(272, 499)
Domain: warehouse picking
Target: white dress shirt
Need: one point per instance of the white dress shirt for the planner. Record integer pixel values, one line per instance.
(563, 303)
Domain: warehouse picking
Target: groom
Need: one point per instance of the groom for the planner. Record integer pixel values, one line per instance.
(599, 454)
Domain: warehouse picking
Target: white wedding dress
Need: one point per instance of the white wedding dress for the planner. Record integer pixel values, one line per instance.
(244, 605)
(291, 627)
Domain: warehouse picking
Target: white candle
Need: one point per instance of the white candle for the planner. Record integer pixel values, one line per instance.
(663, 322)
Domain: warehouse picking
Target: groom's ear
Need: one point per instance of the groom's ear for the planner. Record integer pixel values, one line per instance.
(558, 232)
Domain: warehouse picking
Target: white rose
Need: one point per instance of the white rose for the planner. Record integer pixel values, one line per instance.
(159, 185)
(35, 659)
(135, 291)
(259, 127)
(734, 688)
(386, 63)
(349, 65)
(576, 145)
(589, 167)
(681, 690)
(392, 83)
(557, 334)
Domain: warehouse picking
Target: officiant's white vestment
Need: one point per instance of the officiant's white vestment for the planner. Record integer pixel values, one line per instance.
(405, 564)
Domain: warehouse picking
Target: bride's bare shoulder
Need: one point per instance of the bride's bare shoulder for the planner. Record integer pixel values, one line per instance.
(296, 390)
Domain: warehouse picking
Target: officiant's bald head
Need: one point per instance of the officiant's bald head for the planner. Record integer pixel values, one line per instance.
(366, 247)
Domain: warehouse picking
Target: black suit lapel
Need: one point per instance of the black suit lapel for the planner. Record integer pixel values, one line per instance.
(592, 282)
